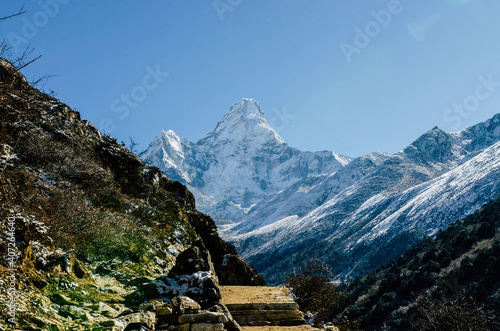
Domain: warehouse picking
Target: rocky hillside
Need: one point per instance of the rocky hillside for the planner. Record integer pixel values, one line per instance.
(86, 226)
(446, 283)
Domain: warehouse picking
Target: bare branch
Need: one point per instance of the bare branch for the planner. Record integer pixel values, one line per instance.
(42, 81)
(14, 15)
(27, 64)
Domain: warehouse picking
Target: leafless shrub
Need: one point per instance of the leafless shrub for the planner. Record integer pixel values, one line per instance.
(313, 291)
(461, 313)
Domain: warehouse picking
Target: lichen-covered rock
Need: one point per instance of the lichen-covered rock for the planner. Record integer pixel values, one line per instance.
(105, 310)
(71, 311)
(154, 305)
(148, 318)
(194, 259)
(183, 305)
(113, 323)
(192, 276)
(204, 317)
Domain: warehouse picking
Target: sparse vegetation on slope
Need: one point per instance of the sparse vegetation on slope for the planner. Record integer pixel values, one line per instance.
(87, 217)
(449, 282)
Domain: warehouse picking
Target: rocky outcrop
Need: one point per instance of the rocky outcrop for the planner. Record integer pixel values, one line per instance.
(228, 264)
(192, 290)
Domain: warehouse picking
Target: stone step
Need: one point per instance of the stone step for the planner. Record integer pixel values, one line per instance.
(275, 317)
(297, 322)
(256, 323)
(263, 306)
(270, 318)
(265, 312)
(292, 322)
(290, 319)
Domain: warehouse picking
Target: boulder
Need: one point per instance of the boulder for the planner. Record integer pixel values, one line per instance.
(183, 305)
(161, 288)
(204, 317)
(192, 276)
(233, 270)
(105, 310)
(148, 318)
(194, 259)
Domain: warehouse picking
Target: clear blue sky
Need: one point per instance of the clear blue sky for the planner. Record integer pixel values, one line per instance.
(342, 90)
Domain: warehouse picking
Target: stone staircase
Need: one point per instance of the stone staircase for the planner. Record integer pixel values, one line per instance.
(261, 306)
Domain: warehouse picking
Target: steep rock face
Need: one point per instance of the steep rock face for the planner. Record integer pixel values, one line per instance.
(239, 163)
(79, 201)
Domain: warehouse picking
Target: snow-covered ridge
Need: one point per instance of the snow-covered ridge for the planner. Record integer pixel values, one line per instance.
(269, 198)
(375, 203)
(237, 164)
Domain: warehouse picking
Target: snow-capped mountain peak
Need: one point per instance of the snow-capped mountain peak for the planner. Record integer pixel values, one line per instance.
(237, 164)
(244, 122)
(174, 139)
(354, 213)
(167, 151)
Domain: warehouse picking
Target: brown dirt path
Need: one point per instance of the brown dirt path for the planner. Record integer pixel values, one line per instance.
(254, 294)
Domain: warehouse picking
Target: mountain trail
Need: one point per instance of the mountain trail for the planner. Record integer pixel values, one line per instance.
(263, 308)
